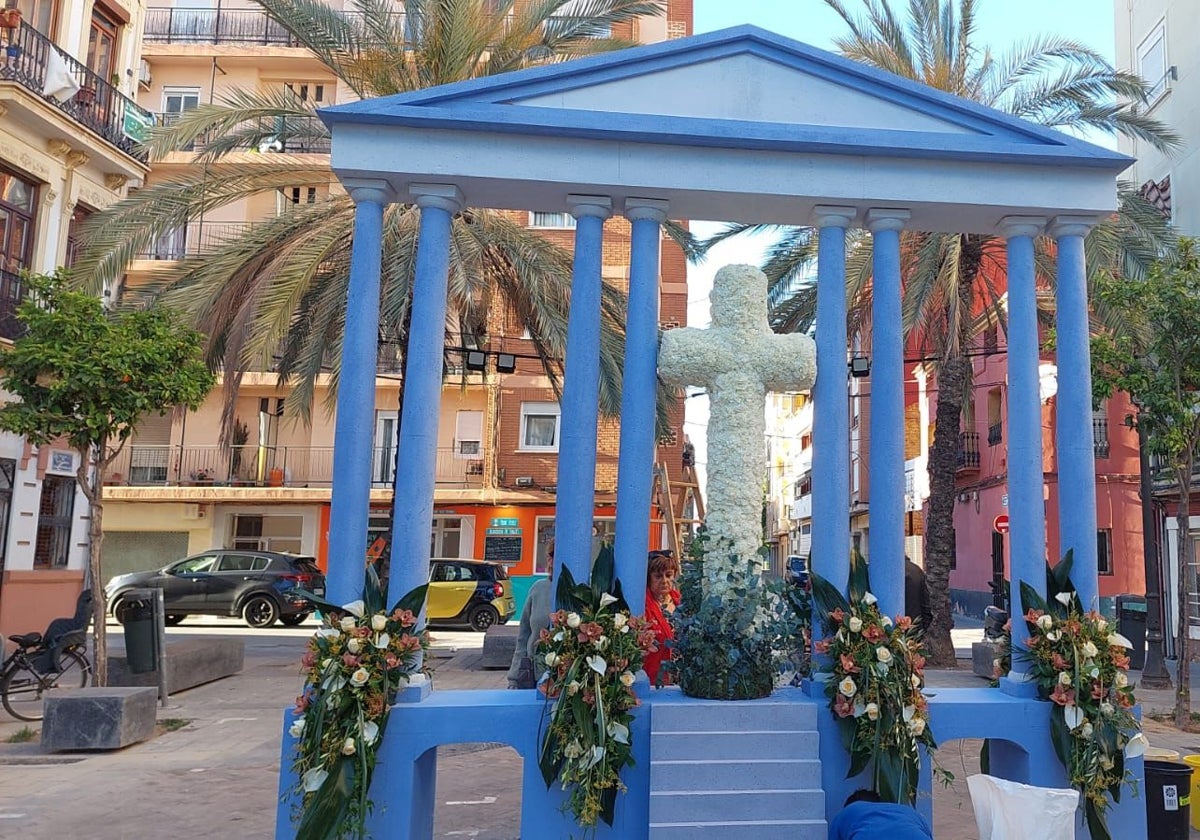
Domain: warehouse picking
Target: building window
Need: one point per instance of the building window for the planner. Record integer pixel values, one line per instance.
(18, 203)
(468, 434)
(1152, 63)
(290, 197)
(78, 217)
(446, 537)
(1104, 559)
(995, 424)
(102, 44)
(55, 514)
(8, 477)
(39, 14)
(562, 221)
(539, 427)
(313, 92)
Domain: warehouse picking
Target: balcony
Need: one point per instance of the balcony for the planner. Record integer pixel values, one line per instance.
(12, 292)
(196, 239)
(96, 104)
(287, 135)
(968, 452)
(214, 26)
(271, 466)
(1100, 436)
(995, 434)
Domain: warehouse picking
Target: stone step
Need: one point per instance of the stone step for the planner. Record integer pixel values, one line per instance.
(745, 743)
(736, 775)
(778, 804)
(742, 830)
(719, 716)
(98, 718)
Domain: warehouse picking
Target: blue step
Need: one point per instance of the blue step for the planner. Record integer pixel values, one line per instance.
(735, 775)
(723, 716)
(780, 803)
(748, 830)
(745, 743)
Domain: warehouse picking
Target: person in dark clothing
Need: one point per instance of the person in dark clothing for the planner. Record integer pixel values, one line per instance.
(867, 817)
(916, 595)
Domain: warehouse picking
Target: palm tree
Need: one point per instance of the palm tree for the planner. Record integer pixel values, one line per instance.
(273, 296)
(950, 280)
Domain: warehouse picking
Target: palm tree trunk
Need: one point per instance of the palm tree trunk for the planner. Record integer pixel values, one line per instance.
(1183, 694)
(939, 529)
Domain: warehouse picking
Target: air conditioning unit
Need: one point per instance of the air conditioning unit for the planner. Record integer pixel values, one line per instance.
(144, 73)
(523, 481)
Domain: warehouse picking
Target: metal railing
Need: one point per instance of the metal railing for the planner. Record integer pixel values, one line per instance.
(968, 451)
(1100, 436)
(297, 135)
(95, 104)
(265, 466)
(214, 26)
(995, 433)
(195, 239)
(12, 292)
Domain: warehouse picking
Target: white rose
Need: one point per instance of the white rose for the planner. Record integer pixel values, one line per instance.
(855, 624)
(573, 687)
(382, 641)
(1089, 649)
(1106, 708)
(551, 659)
(627, 678)
(873, 711)
(883, 654)
(355, 608)
(360, 677)
(297, 727)
(847, 687)
(1045, 622)
(348, 747)
(1101, 623)
(348, 624)
(378, 622)
(619, 621)
(1120, 680)
(573, 620)
(354, 645)
(601, 643)
(1064, 677)
(916, 726)
(1087, 730)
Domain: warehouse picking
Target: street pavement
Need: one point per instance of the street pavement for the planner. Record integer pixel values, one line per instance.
(217, 776)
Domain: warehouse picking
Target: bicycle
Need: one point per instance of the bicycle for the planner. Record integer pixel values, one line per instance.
(41, 664)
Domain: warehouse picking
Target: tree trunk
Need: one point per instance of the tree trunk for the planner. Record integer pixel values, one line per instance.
(1183, 694)
(90, 481)
(939, 527)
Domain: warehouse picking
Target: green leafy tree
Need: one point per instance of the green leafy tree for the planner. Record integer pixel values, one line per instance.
(87, 376)
(1155, 358)
(273, 296)
(954, 282)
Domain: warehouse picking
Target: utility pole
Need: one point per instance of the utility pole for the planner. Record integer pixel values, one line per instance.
(1154, 673)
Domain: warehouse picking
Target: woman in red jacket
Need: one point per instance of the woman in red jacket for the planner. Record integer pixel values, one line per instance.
(661, 600)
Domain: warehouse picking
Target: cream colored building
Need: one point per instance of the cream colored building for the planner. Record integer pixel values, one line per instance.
(1157, 40)
(67, 148)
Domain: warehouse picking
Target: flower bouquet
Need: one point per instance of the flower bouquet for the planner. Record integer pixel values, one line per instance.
(594, 649)
(874, 690)
(1079, 663)
(354, 665)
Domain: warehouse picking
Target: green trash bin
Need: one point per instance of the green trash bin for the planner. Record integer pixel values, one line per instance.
(137, 615)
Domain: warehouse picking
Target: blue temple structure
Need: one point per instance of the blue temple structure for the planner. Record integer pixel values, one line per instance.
(747, 126)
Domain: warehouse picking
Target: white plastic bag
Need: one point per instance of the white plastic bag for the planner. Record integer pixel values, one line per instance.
(1007, 810)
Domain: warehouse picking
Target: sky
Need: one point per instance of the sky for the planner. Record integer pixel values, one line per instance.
(1001, 24)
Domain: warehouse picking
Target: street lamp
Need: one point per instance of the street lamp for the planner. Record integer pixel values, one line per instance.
(1154, 672)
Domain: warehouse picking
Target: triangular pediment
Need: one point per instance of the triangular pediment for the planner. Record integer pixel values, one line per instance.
(741, 86)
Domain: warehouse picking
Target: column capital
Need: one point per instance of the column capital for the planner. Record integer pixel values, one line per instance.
(369, 189)
(828, 215)
(1012, 226)
(446, 197)
(597, 206)
(653, 209)
(1071, 225)
(884, 218)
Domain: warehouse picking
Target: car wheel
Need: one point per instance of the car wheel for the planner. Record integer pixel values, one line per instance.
(293, 620)
(260, 611)
(482, 617)
(120, 610)
(173, 619)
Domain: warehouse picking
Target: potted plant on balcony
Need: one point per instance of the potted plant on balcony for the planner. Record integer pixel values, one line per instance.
(86, 95)
(202, 476)
(10, 18)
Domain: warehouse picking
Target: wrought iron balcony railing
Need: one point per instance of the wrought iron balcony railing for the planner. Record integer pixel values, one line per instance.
(267, 466)
(36, 64)
(195, 239)
(214, 26)
(995, 434)
(968, 451)
(299, 135)
(12, 292)
(1100, 436)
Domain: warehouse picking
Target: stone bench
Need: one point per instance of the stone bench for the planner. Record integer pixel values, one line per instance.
(190, 662)
(499, 642)
(98, 718)
(983, 655)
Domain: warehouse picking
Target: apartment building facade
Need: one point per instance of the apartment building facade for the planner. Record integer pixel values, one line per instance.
(178, 490)
(68, 133)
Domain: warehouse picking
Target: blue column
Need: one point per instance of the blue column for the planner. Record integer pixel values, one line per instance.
(354, 427)
(830, 553)
(1026, 507)
(412, 510)
(639, 393)
(1073, 415)
(576, 499)
(887, 413)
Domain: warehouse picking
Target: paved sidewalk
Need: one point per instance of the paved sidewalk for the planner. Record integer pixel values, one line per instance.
(217, 776)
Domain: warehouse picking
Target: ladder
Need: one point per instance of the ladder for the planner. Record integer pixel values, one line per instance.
(680, 504)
